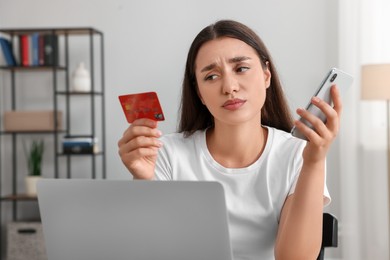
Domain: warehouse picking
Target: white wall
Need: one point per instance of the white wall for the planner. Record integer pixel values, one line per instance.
(146, 44)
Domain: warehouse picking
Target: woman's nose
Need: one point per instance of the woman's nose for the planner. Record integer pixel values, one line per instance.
(229, 84)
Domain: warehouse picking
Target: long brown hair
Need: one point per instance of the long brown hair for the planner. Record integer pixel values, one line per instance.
(195, 116)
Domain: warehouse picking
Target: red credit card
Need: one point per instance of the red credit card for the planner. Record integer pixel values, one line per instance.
(141, 105)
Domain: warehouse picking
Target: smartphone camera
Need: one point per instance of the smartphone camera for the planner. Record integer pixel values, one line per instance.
(333, 77)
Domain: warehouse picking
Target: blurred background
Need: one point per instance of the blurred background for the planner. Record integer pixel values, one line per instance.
(145, 46)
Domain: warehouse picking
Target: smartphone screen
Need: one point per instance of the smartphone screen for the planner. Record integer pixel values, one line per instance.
(333, 77)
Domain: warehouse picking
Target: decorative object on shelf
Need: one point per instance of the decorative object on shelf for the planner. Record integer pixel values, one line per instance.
(25, 121)
(34, 164)
(81, 79)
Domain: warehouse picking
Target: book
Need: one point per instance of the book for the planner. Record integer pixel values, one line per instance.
(79, 145)
(79, 148)
(41, 51)
(35, 49)
(24, 50)
(50, 48)
(7, 52)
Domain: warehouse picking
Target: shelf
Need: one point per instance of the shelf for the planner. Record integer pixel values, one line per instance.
(18, 197)
(79, 136)
(31, 132)
(62, 97)
(80, 154)
(76, 93)
(32, 68)
(58, 31)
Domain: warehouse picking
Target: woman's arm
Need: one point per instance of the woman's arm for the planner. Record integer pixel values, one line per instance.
(300, 228)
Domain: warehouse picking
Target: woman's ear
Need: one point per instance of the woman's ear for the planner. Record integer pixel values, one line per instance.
(267, 74)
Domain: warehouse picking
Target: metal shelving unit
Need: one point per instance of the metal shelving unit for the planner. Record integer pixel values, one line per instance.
(60, 97)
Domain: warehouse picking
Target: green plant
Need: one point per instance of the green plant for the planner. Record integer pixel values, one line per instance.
(34, 157)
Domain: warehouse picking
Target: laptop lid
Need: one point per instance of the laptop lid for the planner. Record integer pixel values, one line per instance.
(115, 219)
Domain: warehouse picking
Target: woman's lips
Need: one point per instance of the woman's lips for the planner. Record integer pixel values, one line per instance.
(233, 104)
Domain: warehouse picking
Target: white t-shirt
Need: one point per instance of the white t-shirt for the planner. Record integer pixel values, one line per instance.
(254, 194)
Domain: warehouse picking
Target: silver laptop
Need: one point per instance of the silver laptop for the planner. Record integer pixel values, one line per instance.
(137, 220)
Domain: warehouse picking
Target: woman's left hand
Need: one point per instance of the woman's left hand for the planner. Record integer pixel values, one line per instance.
(322, 137)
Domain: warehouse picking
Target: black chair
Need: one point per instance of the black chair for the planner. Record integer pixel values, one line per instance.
(329, 233)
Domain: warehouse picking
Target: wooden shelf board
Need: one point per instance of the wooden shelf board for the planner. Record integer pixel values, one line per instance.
(31, 132)
(18, 197)
(57, 31)
(75, 93)
(33, 68)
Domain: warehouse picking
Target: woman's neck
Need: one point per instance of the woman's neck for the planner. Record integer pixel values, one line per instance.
(236, 146)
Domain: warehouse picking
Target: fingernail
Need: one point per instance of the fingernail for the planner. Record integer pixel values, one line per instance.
(159, 133)
(315, 99)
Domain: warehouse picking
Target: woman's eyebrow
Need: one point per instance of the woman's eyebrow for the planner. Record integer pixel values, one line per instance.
(232, 60)
(239, 59)
(209, 67)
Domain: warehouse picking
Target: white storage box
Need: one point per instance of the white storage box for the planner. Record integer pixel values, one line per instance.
(25, 241)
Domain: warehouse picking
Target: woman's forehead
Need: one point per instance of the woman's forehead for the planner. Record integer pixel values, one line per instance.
(223, 48)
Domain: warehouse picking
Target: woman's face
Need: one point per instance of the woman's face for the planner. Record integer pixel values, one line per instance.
(231, 80)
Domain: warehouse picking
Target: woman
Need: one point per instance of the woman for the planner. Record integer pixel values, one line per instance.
(234, 129)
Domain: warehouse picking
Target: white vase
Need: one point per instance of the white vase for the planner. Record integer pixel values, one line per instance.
(31, 185)
(81, 79)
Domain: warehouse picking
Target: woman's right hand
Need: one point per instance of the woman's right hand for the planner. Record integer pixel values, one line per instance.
(138, 148)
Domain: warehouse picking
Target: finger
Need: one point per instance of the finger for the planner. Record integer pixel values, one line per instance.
(316, 123)
(139, 143)
(145, 122)
(143, 142)
(145, 131)
(141, 122)
(139, 153)
(336, 98)
(139, 130)
(312, 119)
(310, 134)
(332, 116)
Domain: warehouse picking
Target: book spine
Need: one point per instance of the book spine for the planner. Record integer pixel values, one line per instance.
(41, 50)
(35, 49)
(24, 50)
(50, 50)
(7, 51)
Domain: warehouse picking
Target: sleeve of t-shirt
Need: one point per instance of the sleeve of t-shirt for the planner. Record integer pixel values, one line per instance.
(163, 166)
(299, 162)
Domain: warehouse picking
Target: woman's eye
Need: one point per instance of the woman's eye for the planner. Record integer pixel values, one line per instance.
(211, 77)
(242, 69)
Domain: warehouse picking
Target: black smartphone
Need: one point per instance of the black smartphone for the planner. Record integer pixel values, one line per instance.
(334, 77)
